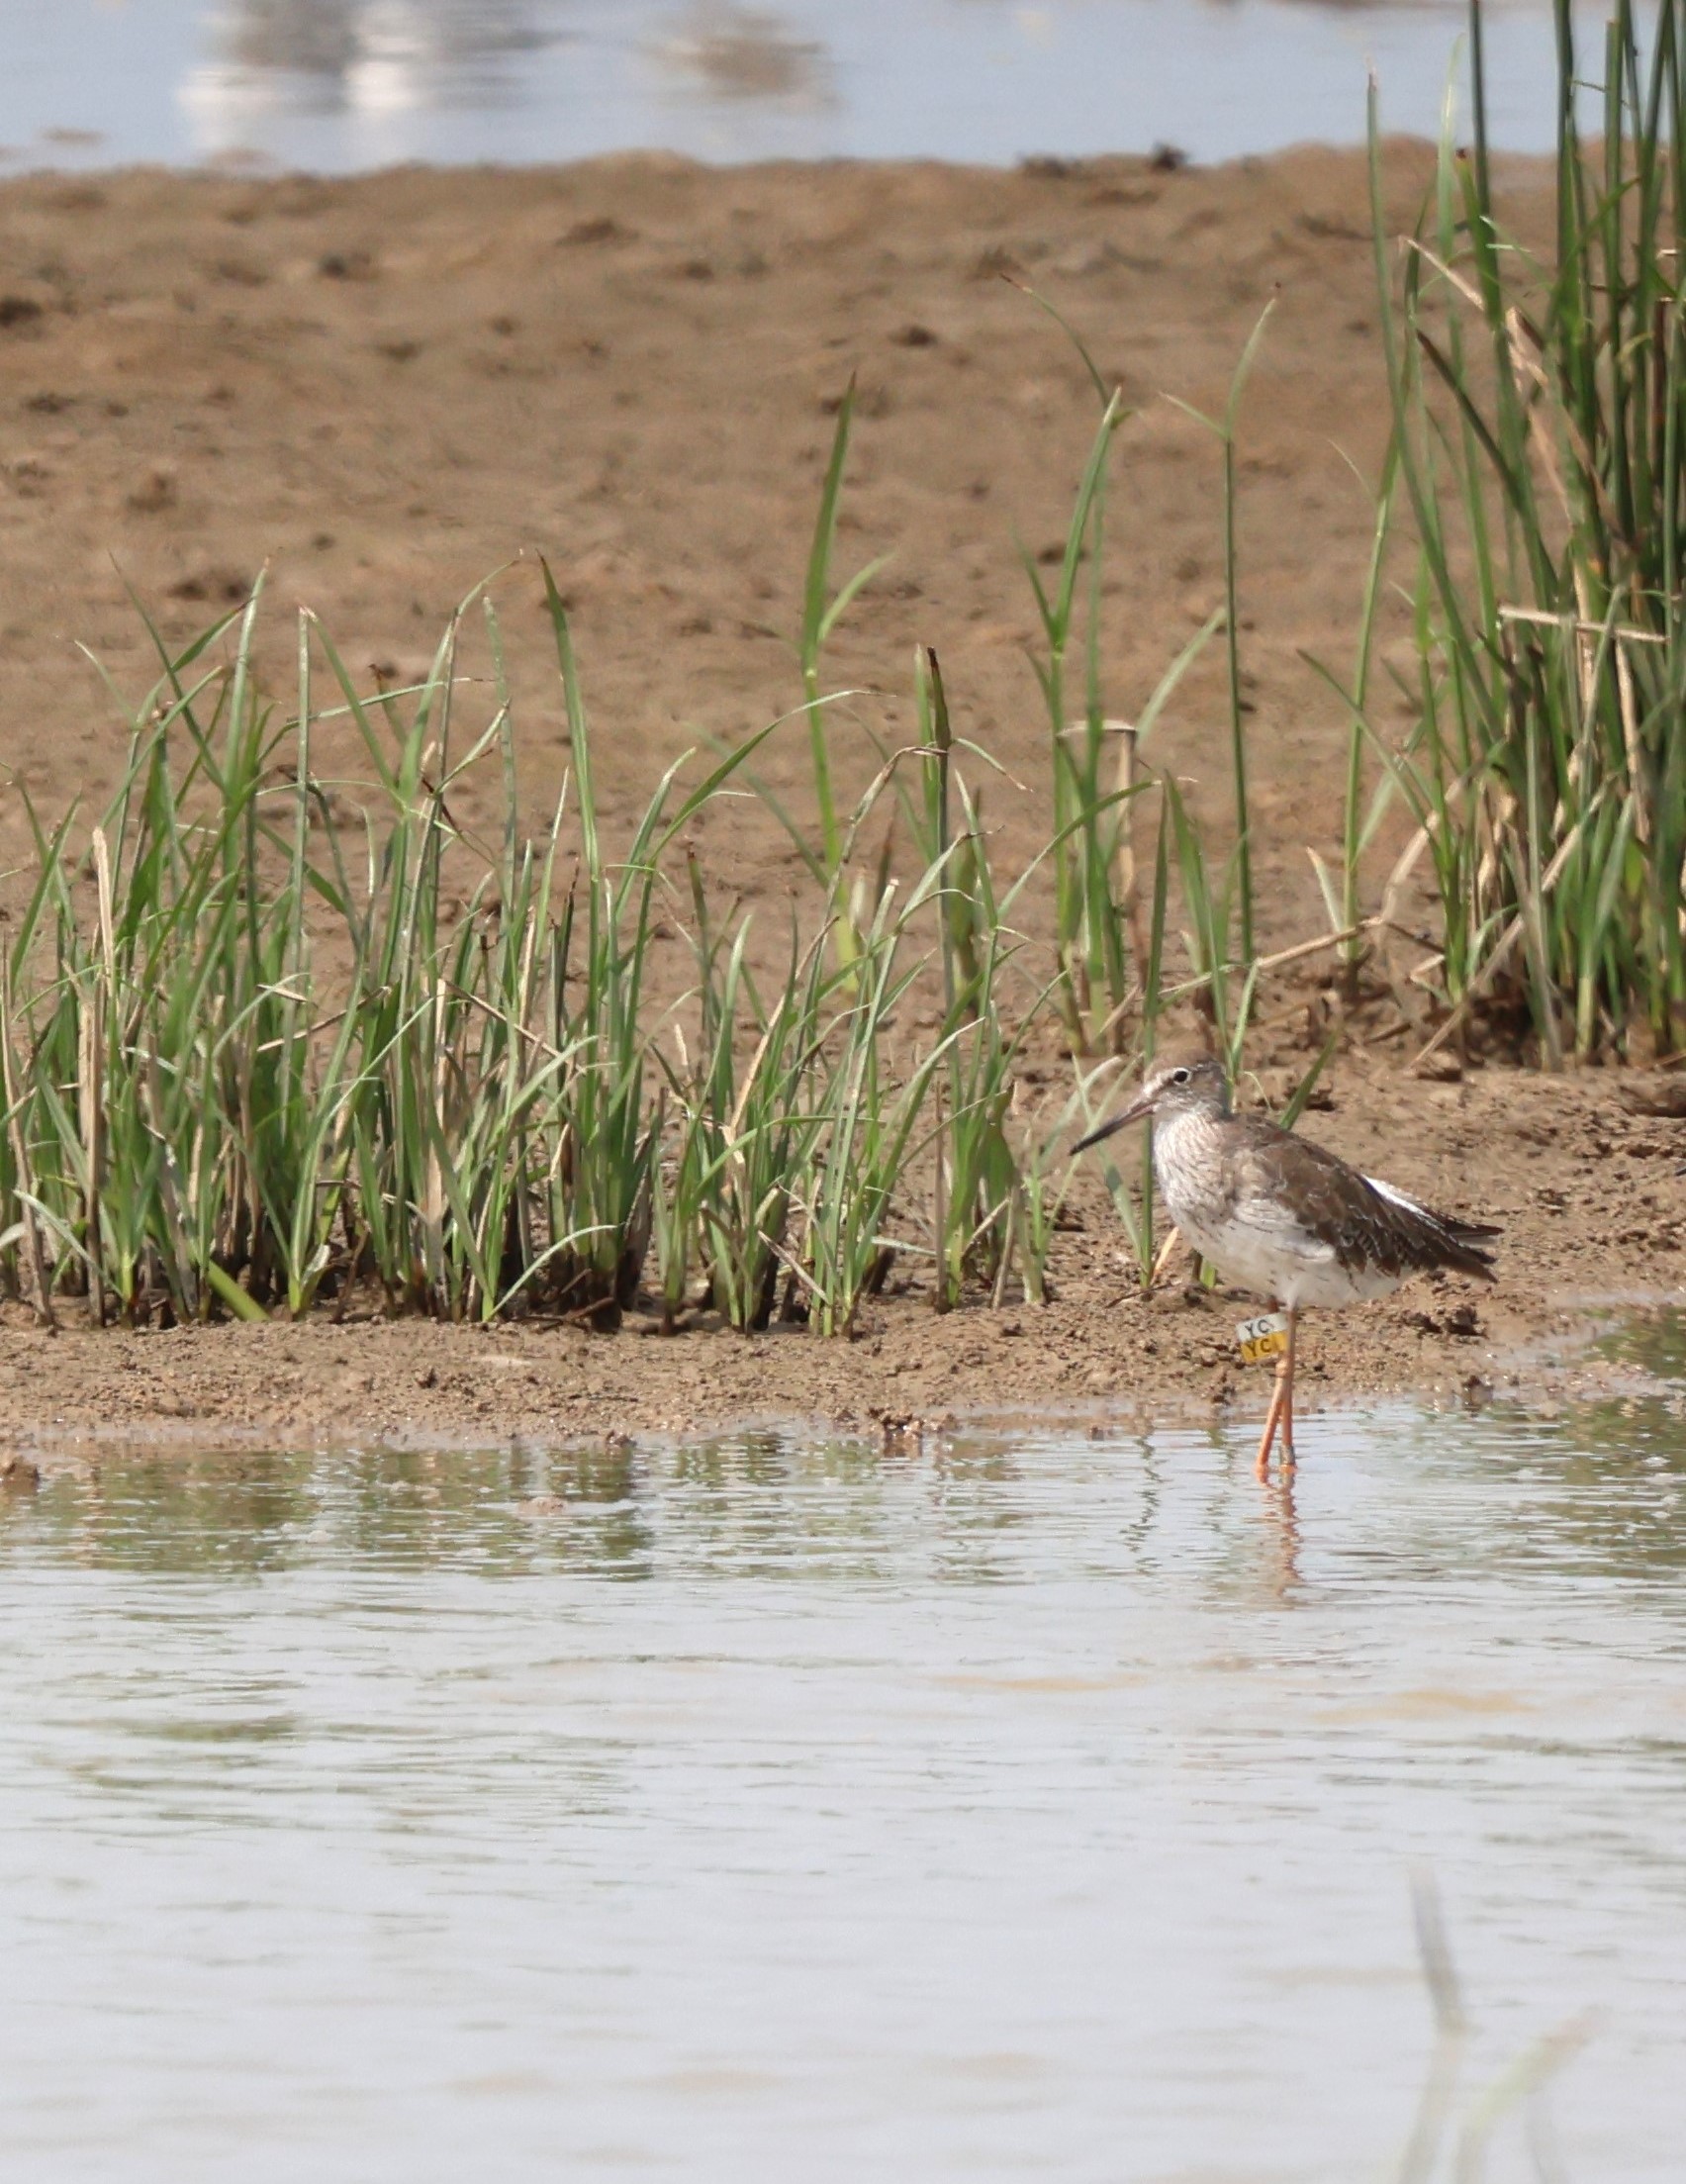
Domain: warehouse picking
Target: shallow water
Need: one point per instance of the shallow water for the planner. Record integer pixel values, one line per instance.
(1022, 1806)
(336, 84)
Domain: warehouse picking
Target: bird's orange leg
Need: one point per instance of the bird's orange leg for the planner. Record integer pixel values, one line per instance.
(1280, 1418)
(1287, 1421)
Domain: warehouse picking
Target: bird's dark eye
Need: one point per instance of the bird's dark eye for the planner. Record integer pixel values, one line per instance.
(1179, 1077)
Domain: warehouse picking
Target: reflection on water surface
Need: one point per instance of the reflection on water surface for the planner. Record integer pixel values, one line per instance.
(767, 1808)
(370, 52)
(353, 83)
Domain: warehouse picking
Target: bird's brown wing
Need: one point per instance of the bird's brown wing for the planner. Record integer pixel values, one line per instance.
(1364, 1224)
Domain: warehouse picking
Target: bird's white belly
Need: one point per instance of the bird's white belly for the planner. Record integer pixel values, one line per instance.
(1281, 1262)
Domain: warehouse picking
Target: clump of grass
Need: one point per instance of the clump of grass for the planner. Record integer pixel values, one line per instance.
(197, 1120)
(162, 1092)
(977, 1214)
(1538, 414)
(749, 1130)
(453, 1090)
(256, 1058)
(258, 1055)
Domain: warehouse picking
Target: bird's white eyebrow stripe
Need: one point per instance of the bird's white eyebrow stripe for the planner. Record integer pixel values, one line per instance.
(1394, 1197)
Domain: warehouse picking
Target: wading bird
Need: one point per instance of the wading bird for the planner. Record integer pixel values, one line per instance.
(1282, 1216)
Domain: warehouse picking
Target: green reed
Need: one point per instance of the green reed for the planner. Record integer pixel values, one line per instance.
(750, 1122)
(1539, 410)
(271, 1041)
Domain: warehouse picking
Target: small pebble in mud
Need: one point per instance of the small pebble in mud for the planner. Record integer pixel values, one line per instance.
(152, 492)
(20, 1475)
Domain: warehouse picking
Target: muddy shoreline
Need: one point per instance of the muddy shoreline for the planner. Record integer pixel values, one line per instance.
(1586, 1183)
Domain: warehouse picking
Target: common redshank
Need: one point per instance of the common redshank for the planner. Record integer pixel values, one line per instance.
(1283, 1217)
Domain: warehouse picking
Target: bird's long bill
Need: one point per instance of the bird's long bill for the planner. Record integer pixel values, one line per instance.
(1132, 1113)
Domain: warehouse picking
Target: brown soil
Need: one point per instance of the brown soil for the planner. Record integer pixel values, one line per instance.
(386, 387)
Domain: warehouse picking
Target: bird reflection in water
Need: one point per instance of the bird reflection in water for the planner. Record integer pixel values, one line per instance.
(730, 53)
(362, 55)
(365, 55)
(1279, 1540)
